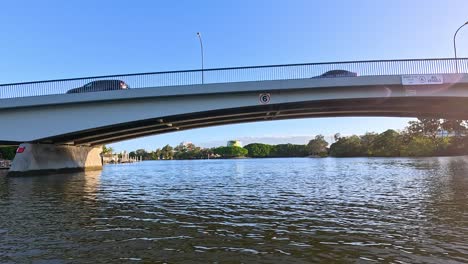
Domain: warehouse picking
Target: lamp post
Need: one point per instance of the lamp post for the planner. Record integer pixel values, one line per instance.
(201, 49)
(455, 46)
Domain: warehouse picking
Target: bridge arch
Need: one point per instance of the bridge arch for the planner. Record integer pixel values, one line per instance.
(98, 118)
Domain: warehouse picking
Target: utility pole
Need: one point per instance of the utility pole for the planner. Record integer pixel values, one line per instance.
(455, 46)
(201, 49)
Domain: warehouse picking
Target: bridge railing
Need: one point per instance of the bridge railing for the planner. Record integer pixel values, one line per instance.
(242, 74)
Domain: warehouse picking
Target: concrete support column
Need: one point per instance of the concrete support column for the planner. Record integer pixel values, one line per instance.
(39, 159)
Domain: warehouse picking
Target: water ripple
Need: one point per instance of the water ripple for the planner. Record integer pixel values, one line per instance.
(254, 210)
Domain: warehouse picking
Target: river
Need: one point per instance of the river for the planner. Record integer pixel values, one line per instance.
(296, 210)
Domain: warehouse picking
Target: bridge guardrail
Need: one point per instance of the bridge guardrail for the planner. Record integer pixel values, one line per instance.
(241, 74)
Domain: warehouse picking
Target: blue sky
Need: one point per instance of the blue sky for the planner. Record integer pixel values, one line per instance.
(61, 39)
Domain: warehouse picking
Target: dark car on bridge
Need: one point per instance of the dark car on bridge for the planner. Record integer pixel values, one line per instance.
(337, 73)
(99, 86)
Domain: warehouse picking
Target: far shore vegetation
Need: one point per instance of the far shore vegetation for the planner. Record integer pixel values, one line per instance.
(422, 138)
(7, 153)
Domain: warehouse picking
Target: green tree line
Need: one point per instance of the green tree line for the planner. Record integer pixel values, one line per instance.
(254, 150)
(7, 153)
(190, 151)
(422, 137)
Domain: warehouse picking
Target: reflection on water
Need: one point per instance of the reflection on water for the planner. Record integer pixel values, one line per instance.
(254, 210)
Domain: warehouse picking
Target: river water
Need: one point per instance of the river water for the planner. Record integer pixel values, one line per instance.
(356, 210)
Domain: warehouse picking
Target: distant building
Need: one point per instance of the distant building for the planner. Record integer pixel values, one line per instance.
(123, 157)
(234, 143)
(110, 158)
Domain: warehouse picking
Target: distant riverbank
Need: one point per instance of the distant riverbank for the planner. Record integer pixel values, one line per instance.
(421, 138)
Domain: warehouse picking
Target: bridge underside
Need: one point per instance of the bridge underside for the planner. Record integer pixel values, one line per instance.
(434, 107)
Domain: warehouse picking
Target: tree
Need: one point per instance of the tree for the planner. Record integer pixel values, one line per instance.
(366, 142)
(231, 152)
(7, 153)
(188, 151)
(206, 153)
(414, 129)
(347, 147)
(156, 155)
(424, 127)
(337, 136)
(184, 147)
(317, 146)
(453, 126)
(145, 155)
(386, 144)
(289, 150)
(167, 152)
(107, 150)
(420, 146)
(258, 150)
(430, 126)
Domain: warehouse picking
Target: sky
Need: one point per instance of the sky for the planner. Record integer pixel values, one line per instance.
(64, 39)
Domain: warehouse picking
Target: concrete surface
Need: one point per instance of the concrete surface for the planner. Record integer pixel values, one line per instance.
(39, 159)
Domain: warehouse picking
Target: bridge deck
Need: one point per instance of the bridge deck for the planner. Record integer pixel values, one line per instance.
(243, 74)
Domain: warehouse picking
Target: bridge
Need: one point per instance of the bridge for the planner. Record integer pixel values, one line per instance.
(58, 131)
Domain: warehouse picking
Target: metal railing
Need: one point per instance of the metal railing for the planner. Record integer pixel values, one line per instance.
(242, 74)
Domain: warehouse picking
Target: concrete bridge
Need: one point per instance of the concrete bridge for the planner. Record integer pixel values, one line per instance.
(59, 131)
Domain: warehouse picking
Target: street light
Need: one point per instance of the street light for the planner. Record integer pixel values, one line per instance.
(455, 46)
(201, 49)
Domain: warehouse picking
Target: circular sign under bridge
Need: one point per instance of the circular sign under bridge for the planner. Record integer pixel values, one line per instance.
(264, 98)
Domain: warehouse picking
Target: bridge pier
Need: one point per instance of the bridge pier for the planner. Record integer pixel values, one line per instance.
(39, 159)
